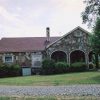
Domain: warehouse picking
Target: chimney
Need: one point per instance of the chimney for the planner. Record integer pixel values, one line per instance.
(48, 33)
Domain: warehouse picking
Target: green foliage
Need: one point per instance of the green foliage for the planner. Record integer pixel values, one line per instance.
(48, 66)
(9, 70)
(95, 41)
(96, 37)
(15, 67)
(91, 12)
(61, 67)
(78, 66)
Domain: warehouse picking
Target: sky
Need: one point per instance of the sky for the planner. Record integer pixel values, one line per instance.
(29, 18)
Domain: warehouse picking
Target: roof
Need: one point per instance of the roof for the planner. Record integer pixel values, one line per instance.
(29, 44)
(25, 44)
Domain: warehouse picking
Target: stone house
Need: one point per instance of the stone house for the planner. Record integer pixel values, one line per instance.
(29, 52)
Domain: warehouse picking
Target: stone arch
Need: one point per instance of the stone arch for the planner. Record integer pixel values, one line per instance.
(59, 56)
(77, 56)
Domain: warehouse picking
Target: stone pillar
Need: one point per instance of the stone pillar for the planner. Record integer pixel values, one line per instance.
(87, 59)
(68, 58)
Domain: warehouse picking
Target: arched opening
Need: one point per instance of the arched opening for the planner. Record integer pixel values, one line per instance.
(91, 56)
(77, 56)
(59, 56)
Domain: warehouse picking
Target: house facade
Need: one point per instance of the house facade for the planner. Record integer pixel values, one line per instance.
(29, 52)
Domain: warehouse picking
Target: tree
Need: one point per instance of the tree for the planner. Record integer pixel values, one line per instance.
(91, 12)
(95, 41)
(91, 15)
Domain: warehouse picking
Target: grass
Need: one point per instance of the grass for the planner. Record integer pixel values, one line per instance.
(62, 79)
(51, 98)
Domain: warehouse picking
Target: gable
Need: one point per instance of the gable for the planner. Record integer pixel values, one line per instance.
(77, 32)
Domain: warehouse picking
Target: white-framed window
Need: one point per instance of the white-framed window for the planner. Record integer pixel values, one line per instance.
(36, 59)
(8, 58)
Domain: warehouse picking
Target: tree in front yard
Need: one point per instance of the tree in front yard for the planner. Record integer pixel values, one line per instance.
(95, 41)
(91, 15)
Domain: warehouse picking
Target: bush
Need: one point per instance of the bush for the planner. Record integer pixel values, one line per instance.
(9, 70)
(78, 67)
(15, 70)
(48, 66)
(61, 67)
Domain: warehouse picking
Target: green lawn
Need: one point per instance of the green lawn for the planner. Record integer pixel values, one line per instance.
(52, 98)
(62, 79)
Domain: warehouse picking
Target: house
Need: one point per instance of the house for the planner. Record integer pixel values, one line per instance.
(29, 52)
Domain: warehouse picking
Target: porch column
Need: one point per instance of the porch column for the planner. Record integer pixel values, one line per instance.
(68, 59)
(87, 59)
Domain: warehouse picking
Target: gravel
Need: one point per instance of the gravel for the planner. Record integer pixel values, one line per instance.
(71, 90)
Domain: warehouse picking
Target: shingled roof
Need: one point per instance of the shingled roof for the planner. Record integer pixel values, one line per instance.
(26, 44)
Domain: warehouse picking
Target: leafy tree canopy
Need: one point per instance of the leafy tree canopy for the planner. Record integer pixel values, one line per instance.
(95, 41)
(91, 15)
(96, 37)
(91, 12)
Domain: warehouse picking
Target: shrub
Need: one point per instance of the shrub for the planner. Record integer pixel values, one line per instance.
(9, 70)
(78, 66)
(48, 66)
(61, 67)
(15, 70)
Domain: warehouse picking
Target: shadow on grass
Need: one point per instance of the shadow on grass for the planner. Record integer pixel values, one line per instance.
(96, 79)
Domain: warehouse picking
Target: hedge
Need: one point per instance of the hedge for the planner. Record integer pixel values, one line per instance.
(7, 70)
(48, 66)
(78, 67)
(61, 67)
(52, 67)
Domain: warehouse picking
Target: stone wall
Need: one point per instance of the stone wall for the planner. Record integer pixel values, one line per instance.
(76, 40)
(23, 59)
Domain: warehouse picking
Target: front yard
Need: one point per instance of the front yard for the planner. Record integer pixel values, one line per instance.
(61, 79)
(52, 98)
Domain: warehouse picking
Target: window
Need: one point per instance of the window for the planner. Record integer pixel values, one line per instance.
(78, 33)
(8, 59)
